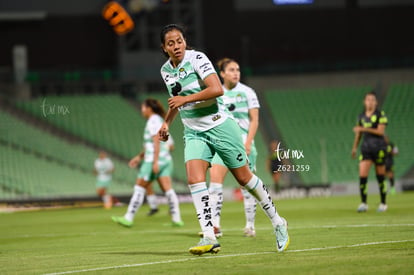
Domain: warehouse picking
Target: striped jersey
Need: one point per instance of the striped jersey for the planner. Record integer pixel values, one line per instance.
(186, 79)
(152, 127)
(239, 101)
(103, 168)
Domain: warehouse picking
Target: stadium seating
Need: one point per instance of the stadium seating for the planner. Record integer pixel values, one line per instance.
(107, 121)
(316, 121)
(319, 122)
(398, 107)
(22, 142)
(38, 142)
(26, 176)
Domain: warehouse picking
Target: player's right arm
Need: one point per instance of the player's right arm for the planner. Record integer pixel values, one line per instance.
(169, 118)
(357, 139)
(356, 142)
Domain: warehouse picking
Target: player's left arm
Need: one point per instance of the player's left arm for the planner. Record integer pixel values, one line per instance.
(212, 90)
(253, 126)
(379, 131)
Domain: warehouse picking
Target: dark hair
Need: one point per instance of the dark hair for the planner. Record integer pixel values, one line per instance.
(168, 28)
(371, 93)
(155, 106)
(222, 63)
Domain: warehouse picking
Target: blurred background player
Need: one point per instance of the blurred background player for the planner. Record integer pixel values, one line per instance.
(273, 163)
(371, 128)
(103, 171)
(243, 105)
(156, 164)
(194, 89)
(392, 151)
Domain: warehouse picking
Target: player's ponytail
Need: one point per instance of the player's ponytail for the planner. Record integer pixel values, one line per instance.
(155, 106)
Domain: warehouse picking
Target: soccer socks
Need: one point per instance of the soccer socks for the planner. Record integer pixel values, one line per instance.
(174, 205)
(201, 200)
(216, 201)
(107, 201)
(152, 201)
(382, 188)
(256, 187)
(135, 203)
(249, 208)
(363, 188)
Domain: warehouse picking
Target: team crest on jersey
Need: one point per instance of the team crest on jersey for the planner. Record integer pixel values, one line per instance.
(239, 98)
(182, 73)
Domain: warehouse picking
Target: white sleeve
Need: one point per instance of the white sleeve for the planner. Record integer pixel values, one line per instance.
(202, 65)
(252, 100)
(154, 125)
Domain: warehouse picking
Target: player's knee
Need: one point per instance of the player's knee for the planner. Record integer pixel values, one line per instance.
(191, 179)
(242, 175)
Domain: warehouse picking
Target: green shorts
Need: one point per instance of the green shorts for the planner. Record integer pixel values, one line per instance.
(224, 139)
(252, 159)
(145, 171)
(103, 183)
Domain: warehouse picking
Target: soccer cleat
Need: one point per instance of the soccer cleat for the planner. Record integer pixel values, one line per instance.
(206, 245)
(282, 236)
(177, 224)
(363, 207)
(217, 233)
(122, 221)
(249, 232)
(382, 207)
(152, 212)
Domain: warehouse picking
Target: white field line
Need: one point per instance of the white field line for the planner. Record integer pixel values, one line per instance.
(224, 256)
(127, 231)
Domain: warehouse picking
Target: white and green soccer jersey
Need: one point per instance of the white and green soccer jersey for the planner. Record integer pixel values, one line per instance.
(152, 127)
(239, 101)
(186, 79)
(103, 168)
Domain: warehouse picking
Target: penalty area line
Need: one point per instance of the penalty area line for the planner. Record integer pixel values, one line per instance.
(225, 256)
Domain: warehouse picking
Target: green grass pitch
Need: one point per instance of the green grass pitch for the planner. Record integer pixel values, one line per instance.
(327, 237)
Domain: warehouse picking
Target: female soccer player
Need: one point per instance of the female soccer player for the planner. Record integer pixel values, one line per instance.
(156, 165)
(371, 127)
(244, 106)
(103, 169)
(194, 88)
